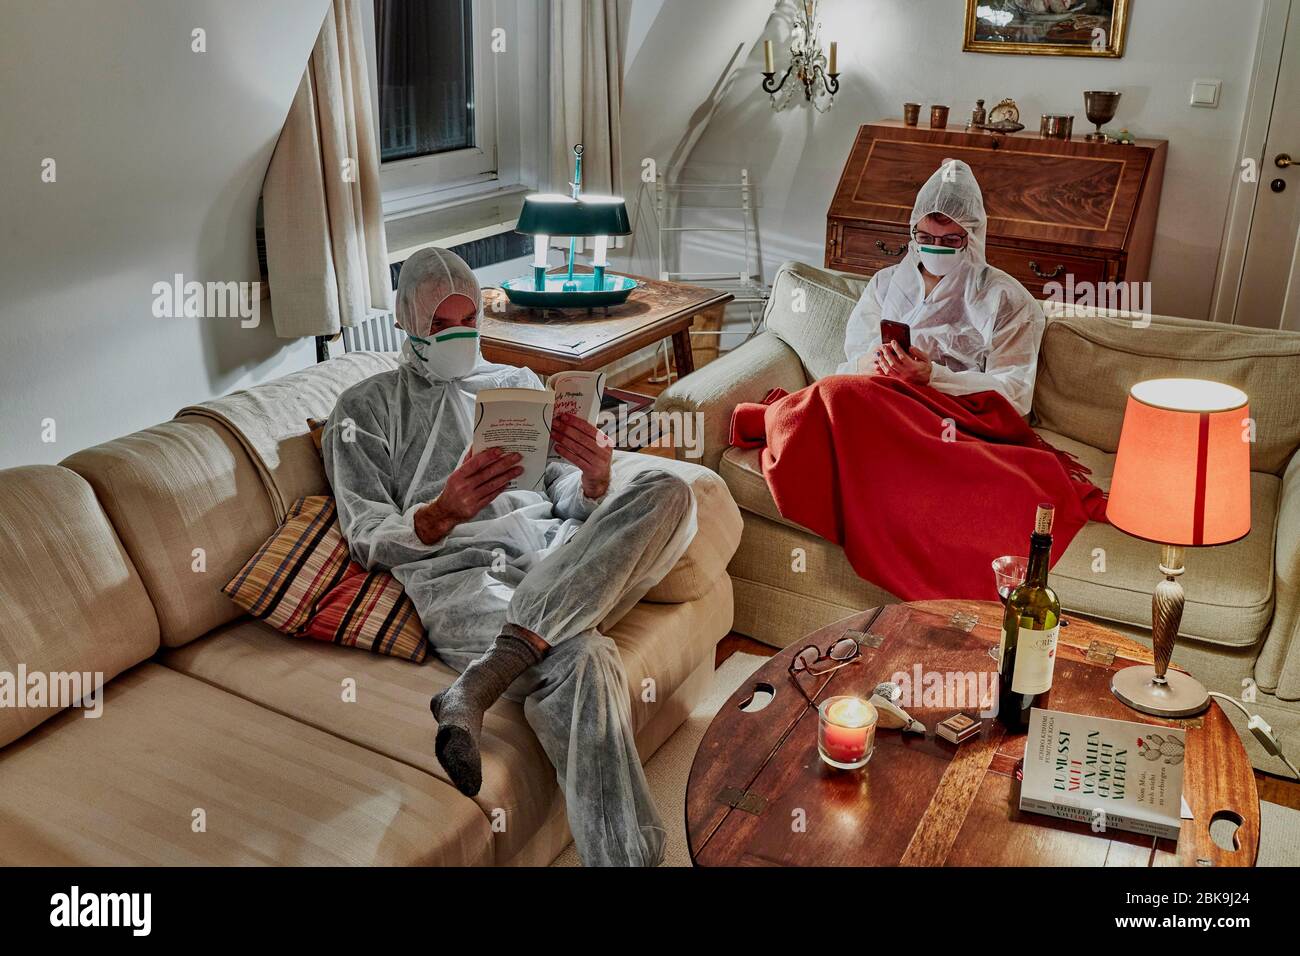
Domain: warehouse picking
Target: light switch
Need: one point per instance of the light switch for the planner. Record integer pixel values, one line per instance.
(1205, 93)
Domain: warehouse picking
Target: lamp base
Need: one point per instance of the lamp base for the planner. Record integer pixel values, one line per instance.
(559, 292)
(1180, 695)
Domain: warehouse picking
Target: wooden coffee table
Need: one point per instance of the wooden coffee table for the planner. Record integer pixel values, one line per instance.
(923, 801)
(577, 339)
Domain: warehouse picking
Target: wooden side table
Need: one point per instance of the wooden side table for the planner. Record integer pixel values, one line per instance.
(571, 339)
(923, 801)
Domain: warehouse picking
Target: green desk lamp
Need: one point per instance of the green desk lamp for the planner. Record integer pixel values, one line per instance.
(552, 214)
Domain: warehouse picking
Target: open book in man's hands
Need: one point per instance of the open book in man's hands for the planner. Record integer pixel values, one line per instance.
(519, 419)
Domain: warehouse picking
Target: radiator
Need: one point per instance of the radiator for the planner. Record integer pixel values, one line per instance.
(377, 334)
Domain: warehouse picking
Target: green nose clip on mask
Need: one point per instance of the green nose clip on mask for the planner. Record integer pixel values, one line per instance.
(451, 354)
(939, 260)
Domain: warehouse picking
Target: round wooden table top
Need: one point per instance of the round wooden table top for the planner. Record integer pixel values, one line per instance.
(759, 793)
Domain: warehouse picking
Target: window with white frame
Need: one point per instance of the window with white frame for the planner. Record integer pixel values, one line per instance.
(436, 112)
(436, 67)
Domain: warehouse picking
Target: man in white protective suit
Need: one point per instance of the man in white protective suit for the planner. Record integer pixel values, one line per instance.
(973, 327)
(511, 585)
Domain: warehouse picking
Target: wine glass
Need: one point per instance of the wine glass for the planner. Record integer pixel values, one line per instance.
(1008, 574)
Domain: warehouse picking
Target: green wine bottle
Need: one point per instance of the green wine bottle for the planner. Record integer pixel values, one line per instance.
(1027, 654)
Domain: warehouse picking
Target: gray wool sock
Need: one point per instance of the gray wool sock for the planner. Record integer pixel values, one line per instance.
(459, 709)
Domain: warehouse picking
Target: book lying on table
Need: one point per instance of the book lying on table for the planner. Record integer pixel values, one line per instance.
(1112, 774)
(519, 419)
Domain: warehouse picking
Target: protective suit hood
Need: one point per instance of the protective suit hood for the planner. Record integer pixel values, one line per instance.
(953, 192)
(428, 279)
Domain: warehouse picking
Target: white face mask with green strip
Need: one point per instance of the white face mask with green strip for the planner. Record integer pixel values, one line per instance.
(451, 354)
(939, 260)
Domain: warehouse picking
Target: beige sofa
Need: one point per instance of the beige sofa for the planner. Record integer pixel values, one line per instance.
(1242, 620)
(223, 742)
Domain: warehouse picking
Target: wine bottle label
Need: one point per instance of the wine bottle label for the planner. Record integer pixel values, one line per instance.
(1035, 660)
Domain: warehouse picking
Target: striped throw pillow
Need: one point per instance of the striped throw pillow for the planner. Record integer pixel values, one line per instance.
(303, 583)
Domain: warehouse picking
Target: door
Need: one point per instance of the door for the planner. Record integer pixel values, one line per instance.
(1269, 294)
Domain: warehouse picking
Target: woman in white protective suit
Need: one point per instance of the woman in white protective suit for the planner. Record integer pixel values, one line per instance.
(510, 585)
(973, 327)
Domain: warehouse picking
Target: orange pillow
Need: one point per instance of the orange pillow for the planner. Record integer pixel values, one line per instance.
(303, 583)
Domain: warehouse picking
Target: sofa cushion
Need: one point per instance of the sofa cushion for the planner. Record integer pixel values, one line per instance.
(122, 790)
(718, 526)
(1087, 364)
(71, 603)
(303, 583)
(742, 470)
(390, 713)
(809, 310)
(1229, 588)
(190, 508)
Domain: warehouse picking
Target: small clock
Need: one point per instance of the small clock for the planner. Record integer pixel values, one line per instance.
(1005, 112)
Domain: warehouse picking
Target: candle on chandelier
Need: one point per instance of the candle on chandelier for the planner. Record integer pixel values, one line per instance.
(835, 56)
(767, 57)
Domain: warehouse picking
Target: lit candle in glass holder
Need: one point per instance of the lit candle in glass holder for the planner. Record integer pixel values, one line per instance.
(846, 731)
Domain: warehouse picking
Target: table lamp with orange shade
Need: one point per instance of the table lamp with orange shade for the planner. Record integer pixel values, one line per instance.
(1182, 480)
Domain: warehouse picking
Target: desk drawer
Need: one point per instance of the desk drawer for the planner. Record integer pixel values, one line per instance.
(864, 250)
(1037, 268)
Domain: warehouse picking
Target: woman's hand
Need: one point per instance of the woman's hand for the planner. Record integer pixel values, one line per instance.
(911, 366)
(583, 444)
(469, 489)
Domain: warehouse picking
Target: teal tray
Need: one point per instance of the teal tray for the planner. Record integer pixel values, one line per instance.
(522, 290)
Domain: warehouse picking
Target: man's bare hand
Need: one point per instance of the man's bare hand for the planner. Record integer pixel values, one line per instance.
(583, 444)
(911, 366)
(470, 488)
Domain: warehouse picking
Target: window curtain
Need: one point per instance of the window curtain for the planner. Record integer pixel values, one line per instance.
(586, 93)
(326, 255)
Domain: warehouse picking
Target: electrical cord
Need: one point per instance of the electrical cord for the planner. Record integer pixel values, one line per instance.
(1262, 731)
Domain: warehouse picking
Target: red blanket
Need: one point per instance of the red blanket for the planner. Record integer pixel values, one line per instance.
(923, 490)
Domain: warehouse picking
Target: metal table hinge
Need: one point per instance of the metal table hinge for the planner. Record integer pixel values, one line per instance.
(743, 800)
(865, 638)
(1100, 653)
(963, 621)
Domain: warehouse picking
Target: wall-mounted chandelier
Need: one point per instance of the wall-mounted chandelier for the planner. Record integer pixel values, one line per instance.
(820, 78)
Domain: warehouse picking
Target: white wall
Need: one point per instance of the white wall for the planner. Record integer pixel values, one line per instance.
(897, 50)
(160, 155)
(681, 58)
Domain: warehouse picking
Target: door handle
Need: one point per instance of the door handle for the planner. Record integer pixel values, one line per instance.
(880, 244)
(1283, 160)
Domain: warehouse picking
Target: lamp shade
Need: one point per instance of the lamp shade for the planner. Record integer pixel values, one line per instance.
(1182, 471)
(553, 214)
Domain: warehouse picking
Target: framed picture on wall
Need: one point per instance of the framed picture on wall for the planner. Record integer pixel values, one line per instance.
(1047, 27)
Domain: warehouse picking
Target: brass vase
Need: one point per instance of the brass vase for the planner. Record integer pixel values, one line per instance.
(1100, 106)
